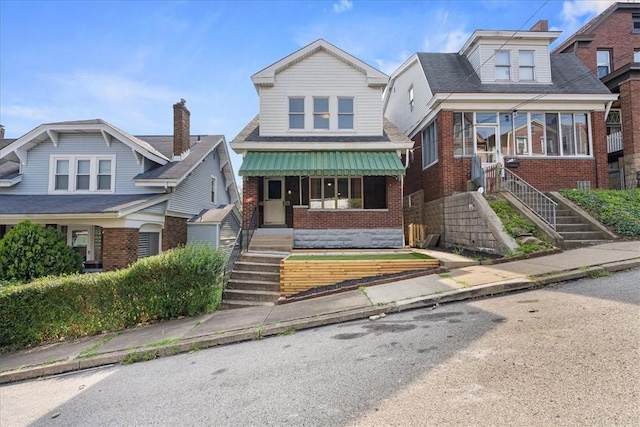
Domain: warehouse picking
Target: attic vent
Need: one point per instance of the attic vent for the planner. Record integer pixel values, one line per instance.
(584, 185)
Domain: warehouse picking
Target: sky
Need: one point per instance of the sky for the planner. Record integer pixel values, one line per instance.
(128, 62)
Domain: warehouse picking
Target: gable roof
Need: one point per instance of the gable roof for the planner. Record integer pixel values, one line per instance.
(585, 33)
(17, 150)
(453, 73)
(266, 77)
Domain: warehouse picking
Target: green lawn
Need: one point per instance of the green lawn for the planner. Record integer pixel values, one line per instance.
(355, 257)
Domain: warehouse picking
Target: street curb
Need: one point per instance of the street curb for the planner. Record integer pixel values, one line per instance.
(285, 327)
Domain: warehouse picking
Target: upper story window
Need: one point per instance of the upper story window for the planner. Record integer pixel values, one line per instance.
(321, 113)
(296, 113)
(526, 65)
(636, 23)
(503, 65)
(213, 189)
(411, 99)
(82, 174)
(603, 59)
(636, 55)
(345, 113)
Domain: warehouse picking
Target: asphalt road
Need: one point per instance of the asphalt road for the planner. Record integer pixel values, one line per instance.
(563, 355)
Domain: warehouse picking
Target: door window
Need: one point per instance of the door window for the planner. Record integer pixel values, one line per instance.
(274, 190)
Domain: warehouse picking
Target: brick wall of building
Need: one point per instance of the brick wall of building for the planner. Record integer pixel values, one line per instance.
(304, 218)
(250, 199)
(120, 247)
(630, 106)
(174, 233)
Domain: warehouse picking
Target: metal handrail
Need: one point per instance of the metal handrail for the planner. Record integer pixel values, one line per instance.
(534, 199)
(234, 253)
(253, 224)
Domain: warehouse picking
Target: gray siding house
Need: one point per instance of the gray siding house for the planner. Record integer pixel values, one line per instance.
(115, 196)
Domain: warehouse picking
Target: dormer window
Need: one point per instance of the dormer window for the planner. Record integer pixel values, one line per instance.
(82, 174)
(321, 113)
(296, 113)
(603, 58)
(503, 65)
(345, 113)
(526, 65)
(62, 175)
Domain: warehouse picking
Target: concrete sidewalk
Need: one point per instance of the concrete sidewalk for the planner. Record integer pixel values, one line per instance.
(465, 279)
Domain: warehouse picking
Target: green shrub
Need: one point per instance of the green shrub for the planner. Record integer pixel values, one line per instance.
(514, 224)
(29, 251)
(180, 282)
(617, 209)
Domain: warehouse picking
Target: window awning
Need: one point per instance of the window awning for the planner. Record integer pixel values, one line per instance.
(321, 163)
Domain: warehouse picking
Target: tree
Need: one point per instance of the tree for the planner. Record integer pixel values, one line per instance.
(29, 251)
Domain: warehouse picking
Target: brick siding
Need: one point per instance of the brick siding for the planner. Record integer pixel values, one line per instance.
(249, 199)
(120, 247)
(174, 233)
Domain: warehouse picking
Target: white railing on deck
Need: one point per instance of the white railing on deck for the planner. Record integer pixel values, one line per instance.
(614, 142)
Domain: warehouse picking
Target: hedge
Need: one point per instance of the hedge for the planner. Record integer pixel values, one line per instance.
(180, 282)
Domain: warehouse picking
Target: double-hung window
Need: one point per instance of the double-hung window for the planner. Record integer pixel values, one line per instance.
(430, 145)
(603, 58)
(214, 186)
(526, 65)
(321, 113)
(296, 113)
(503, 65)
(636, 55)
(635, 29)
(82, 174)
(345, 113)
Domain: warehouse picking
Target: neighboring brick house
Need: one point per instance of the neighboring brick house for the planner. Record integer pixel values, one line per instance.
(609, 45)
(501, 97)
(115, 196)
(319, 158)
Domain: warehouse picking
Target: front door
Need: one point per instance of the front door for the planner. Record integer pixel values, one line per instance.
(80, 238)
(486, 144)
(274, 201)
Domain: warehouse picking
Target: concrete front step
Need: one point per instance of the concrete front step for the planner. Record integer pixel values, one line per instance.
(231, 304)
(245, 266)
(250, 295)
(572, 244)
(565, 228)
(270, 248)
(568, 220)
(582, 235)
(266, 276)
(257, 285)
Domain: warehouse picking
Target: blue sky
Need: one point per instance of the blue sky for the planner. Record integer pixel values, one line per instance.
(128, 62)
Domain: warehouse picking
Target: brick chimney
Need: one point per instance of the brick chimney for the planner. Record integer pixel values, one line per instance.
(181, 130)
(541, 25)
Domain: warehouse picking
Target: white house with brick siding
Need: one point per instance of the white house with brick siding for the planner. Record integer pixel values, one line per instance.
(319, 158)
(115, 196)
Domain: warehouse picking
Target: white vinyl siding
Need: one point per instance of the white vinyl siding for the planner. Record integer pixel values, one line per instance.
(487, 50)
(320, 75)
(194, 193)
(36, 172)
(397, 108)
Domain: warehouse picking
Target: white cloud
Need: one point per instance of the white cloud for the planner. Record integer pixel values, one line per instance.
(342, 6)
(448, 35)
(576, 13)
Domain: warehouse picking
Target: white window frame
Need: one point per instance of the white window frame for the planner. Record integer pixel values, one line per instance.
(343, 114)
(296, 113)
(322, 114)
(602, 63)
(73, 164)
(500, 65)
(636, 55)
(531, 67)
(430, 145)
(214, 190)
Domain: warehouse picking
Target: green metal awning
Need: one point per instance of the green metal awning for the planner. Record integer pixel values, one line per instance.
(321, 163)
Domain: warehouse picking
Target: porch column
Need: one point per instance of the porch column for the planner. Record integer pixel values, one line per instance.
(120, 247)
(174, 233)
(630, 104)
(249, 199)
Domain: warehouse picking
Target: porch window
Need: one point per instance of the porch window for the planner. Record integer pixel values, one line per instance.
(345, 113)
(296, 113)
(335, 193)
(503, 65)
(321, 113)
(430, 145)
